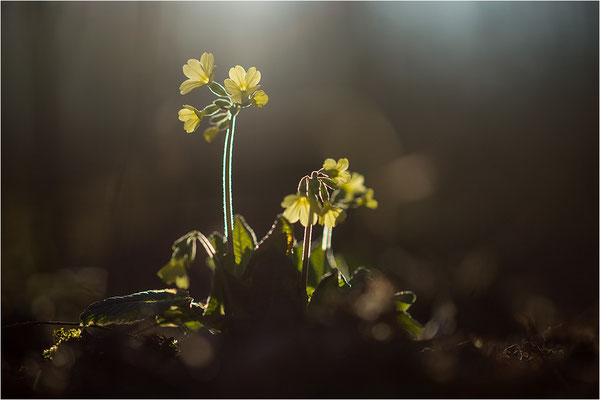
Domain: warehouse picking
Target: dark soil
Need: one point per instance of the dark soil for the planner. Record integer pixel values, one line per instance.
(300, 360)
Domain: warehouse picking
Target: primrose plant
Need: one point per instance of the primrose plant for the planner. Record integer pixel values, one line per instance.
(276, 277)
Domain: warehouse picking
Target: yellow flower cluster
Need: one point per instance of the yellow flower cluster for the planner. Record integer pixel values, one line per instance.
(325, 195)
(240, 91)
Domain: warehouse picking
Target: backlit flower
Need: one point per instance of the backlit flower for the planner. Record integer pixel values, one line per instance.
(330, 215)
(355, 186)
(259, 99)
(337, 170)
(241, 84)
(199, 73)
(368, 200)
(191, 118)
(300, 208)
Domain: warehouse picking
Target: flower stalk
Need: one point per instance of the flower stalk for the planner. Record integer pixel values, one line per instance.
(227, 184)
(306, 254)
(327, 232)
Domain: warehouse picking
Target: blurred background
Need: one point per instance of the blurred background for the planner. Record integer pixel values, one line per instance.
(475, 123)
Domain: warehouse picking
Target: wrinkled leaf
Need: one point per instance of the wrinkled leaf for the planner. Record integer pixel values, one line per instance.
(175, 272)
(189, 317)
(403, 300)
(134, 307)
(218, 242)
(319, 266)
(244, 242)
(184, 254)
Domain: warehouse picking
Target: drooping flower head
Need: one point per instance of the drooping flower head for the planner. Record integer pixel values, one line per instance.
(368, 200)
(190, 117)
(330, 215)
(356, 186)
(242, 85)
(200, 73)
(300, 208)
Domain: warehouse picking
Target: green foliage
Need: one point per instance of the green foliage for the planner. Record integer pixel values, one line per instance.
(134, 307)
(327, 297)
(403, 300)
(257, 281)
(184, 254)
(190, 318)
(175, 272)
(410, 325)
(244, 242)
(335, 297)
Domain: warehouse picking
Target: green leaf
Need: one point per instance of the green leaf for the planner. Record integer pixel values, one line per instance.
(190, 318)
(403, 300)
(218, 118)
(134, 307)
(272, 276)
(218, 242)
(214, 312)
(327, 298)
(175, 272)
(410, 325)
(318, 264)
(211, 109)
(244, 242)
(217, 89)
(223, 104)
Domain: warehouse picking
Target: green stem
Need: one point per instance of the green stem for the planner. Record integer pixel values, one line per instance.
(227, 193)
(306, 253)
(327, 232)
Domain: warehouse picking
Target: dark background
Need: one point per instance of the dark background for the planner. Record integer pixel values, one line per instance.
(475, 123)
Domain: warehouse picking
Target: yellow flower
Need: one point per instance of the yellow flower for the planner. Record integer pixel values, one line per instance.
(241, 84)
(260, 98)
(368, 200)
(199, 73)
(330, 215)
(355, 186)
(300, 208)
(191, 118)
(337, 170)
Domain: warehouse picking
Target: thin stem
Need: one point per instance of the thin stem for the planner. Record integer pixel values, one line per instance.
(30, 323)
(306, 253)
(227, 192)
(327, 232)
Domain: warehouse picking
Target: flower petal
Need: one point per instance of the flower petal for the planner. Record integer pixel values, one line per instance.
(193, 69)
(231, 86)
(238, 75)
(207, 61)
(185, 114)
(329, 163)
(191, 125)
(189, 85)
(252, 77)
(342, 164)
(288, 200)
(260, 99)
